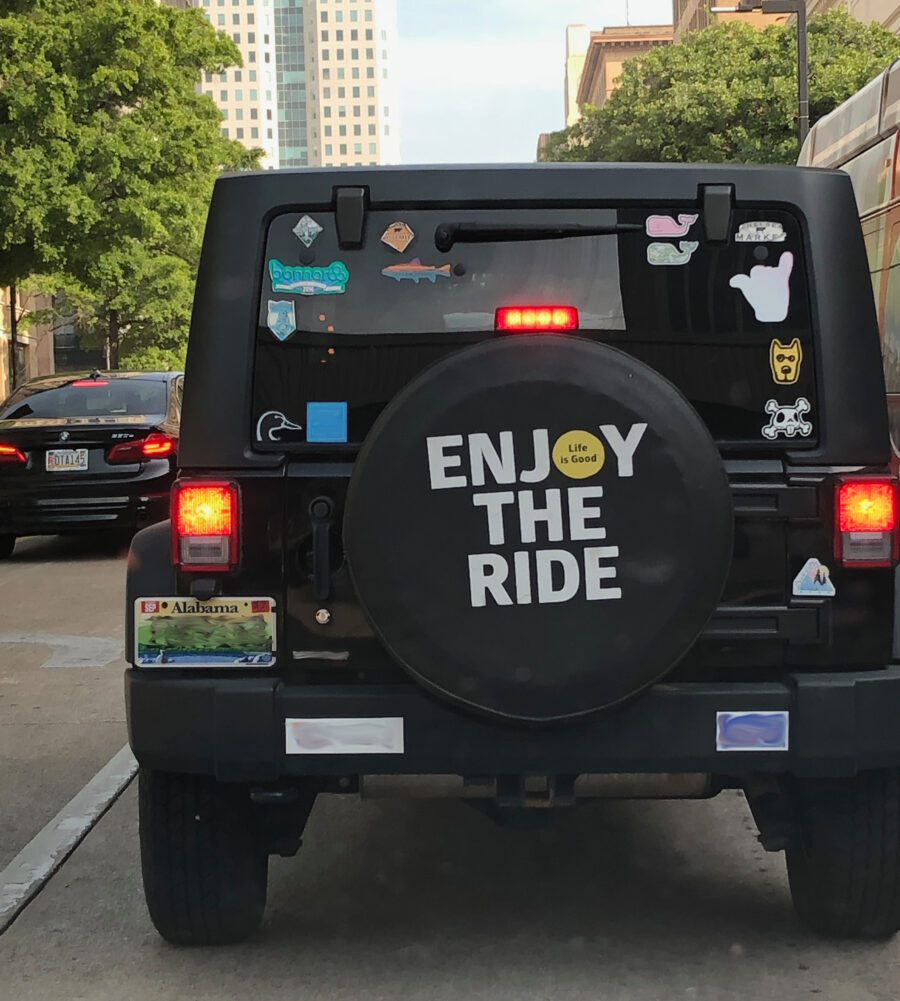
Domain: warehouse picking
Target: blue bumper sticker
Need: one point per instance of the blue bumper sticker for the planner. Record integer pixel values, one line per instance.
(756, 731)
(326, 422)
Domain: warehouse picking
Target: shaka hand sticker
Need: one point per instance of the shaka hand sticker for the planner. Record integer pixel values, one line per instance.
(767, 289)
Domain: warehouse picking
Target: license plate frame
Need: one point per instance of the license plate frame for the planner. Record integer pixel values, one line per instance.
(54, 460)
(179, 632)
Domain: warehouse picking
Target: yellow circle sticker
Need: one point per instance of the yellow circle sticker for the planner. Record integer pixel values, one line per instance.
(578, 454)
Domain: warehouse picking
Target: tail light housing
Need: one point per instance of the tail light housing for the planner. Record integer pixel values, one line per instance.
(866, 522)
(154, 446)
(205, 519)
(11, 455)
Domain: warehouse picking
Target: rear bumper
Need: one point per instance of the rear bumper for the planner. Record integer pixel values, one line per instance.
(85, 506)
(234, 728)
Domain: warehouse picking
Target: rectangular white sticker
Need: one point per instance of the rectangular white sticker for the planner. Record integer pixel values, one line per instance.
(362, 735)
(752, 731)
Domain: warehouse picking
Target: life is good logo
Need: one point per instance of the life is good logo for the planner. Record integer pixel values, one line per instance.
(501, 474)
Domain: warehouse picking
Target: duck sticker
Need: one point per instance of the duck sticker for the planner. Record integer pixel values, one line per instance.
(668, 253)
(661, 226)
(416, 271)
(767, 289)
(280, 318)
(787, 420)
(273, 426)
(331, 279)
(785, 361)
(814, 580)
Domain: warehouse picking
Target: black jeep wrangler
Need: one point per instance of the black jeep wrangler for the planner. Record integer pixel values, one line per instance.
(524, 485)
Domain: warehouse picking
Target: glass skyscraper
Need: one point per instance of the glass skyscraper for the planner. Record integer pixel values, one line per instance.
(290, 76)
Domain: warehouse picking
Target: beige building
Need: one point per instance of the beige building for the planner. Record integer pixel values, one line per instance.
(578, 40)
(247, 96)
(34, 343)
(351, 99)
(693, 15)
(887, 12)
(607, 51)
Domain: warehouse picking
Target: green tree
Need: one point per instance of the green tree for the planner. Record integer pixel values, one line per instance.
(727, 94)
(108, 154)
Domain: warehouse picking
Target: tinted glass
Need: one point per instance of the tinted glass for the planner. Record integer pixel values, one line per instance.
(104, 398)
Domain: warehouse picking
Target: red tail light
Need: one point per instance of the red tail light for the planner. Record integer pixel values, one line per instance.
(155, 445)
(205, 519)
(11, 455)
(90, 382)
(866, 522)
(518, 318)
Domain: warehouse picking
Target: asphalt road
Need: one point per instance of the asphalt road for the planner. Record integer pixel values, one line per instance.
(387, 900)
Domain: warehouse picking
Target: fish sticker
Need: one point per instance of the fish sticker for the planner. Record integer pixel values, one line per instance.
(273, 425)
(787, 420)
(281, 318)
(813, 580)
(785, 361)
(668, 253)
(398, 236)
(767, 289)
(760, 232)
(752, 731)
(306, 230)
(304, 280)
(416, 271)
(661, 226)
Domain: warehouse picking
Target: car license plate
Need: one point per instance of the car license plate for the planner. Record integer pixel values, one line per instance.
(221, 632)
(63, 460)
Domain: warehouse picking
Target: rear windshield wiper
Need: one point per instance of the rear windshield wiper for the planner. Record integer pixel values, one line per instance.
(449, 233)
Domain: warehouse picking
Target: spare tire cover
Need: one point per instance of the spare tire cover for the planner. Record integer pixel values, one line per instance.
(538, 526)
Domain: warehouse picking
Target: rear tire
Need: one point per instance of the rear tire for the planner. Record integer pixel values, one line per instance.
(845, 875)
(7, 544)
(203, 864)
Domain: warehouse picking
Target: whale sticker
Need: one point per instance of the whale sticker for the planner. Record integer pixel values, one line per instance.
(661, 226)
(281, 318)
(668, 253)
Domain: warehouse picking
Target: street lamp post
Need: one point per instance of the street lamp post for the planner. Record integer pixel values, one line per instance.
(797, 7)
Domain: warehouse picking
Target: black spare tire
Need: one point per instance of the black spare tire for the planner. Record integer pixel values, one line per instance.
(538, 527)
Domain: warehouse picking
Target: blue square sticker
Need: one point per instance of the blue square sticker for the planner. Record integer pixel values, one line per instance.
(326, 422)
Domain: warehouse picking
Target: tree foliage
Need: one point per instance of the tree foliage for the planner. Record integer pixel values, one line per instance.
(727, 94)
(108, 154)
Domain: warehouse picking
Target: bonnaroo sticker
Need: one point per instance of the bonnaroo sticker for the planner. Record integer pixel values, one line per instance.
(306, 280)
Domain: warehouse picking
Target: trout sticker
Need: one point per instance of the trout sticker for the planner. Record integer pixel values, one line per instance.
(329, 280)
(416, 271)
(668, 253)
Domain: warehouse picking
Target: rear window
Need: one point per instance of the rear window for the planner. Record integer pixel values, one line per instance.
(728, 324)
(88, 398)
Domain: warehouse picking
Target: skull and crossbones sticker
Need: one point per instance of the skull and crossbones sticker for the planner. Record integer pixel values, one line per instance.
(787, 419)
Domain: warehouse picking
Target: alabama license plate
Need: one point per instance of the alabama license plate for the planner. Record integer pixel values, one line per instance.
(221, 632)
(64, 460)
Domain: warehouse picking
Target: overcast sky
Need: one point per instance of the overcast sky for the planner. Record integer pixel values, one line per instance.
(479, 80)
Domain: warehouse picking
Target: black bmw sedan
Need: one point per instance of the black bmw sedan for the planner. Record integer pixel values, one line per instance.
(88, 452)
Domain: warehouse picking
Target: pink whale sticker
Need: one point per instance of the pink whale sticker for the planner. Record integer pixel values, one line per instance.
(665, 225)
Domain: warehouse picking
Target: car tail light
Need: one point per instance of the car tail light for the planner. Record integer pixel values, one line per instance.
(205, 519)
(866, 522)
(154, 446)
(90, 382)
(10, 455)
(519, 318)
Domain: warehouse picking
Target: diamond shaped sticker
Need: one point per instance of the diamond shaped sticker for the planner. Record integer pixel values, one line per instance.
(307, 230)
(398, 236)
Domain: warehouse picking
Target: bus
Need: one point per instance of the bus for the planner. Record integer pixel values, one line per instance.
(861, 137)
